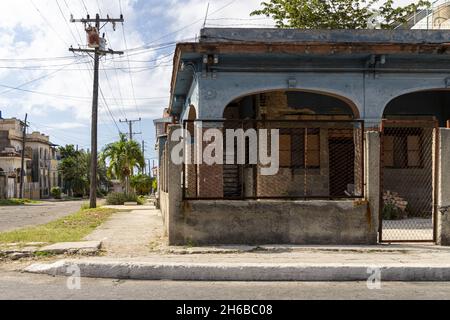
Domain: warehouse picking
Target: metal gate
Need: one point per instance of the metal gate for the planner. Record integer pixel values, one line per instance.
(408, 180)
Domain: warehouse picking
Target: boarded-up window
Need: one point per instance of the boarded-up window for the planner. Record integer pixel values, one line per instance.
(402, 148)
(388, 150)
(285, 150)
(313, 151)
(298, 148)
(414, 151)
(292, 148)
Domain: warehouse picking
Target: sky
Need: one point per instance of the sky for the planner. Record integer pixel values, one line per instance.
(39, 76)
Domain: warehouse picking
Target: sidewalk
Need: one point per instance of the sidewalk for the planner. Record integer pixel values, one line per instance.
(129, 234)
(135, 249)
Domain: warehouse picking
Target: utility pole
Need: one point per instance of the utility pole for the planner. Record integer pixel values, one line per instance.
(99, 50)
(143, 154)
(130, 127)
(22, 163)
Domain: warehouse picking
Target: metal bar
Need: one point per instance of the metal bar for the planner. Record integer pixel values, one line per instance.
(275, 198)
(87, 20)
(184, 163)
(408, 241)
(381, 185)
(363, 171)
(410, 123)
(101, 52)
(280, 120)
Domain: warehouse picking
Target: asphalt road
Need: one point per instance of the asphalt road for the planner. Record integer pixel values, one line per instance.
(14, 285)
(15, 217)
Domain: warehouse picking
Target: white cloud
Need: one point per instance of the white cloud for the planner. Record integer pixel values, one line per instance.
(26, 32)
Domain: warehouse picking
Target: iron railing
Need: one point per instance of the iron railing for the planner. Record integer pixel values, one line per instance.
(317, 159)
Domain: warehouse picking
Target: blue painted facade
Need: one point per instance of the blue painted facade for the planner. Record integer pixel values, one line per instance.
(368, 69)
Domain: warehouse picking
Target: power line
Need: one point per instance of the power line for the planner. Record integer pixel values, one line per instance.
(48, 23)
(11, 88)
(129, 65)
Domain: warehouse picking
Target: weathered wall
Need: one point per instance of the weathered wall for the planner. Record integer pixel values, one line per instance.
(369, 94)
(443, 219)
(372, 179)
(276, 222)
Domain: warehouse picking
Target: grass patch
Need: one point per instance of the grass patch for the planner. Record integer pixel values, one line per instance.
(68, 229)
(17, 202)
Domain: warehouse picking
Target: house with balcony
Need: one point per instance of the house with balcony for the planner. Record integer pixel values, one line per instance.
(40, 163)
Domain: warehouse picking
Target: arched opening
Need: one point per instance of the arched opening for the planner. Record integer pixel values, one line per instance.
(409, 162)
(429, 104)
(320, 145)
(191, 181)
(291, 105)
(192, 116)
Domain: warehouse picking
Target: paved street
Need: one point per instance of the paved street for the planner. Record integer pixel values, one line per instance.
(15, 217)
(15, 285)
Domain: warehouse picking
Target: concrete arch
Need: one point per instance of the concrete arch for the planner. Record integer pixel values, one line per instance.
(352, 106)
(424, 102)
(216, 94)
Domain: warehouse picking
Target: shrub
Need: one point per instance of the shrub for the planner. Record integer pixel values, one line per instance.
(118, 199)
(141, 200)
(391, 212)
(56, 192)
(141, 183)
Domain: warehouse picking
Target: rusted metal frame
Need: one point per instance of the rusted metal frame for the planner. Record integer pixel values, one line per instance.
(275, 198)
(407, 241)
(243, 197)
(399, 123)
(429, 124)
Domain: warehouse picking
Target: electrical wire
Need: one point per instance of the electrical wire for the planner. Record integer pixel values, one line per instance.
(129, 65)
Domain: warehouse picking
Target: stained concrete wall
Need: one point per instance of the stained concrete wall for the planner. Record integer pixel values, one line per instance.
(269, 222)
(276, 222)
(372, 179)
(443, 215)
(171, 197)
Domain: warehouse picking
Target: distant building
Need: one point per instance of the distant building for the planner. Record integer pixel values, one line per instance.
(41, 162)
(161, 137)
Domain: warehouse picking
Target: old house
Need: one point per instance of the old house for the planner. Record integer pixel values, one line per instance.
(41, 162)
(361, 117)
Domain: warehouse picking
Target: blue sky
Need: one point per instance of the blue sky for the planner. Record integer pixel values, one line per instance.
(56, 91)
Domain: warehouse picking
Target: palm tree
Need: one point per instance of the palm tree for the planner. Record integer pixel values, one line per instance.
(123, 157)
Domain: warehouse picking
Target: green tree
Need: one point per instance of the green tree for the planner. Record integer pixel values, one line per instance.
(338, 14)
(142, 183)
(75, 171)
(123, 157)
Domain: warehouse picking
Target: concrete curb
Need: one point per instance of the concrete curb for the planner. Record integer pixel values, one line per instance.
(242, 271)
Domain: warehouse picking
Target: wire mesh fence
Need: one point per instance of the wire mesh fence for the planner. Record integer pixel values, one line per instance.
(408, 158)
(256, 159)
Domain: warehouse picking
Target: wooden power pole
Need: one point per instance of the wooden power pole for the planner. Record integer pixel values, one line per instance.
(22, 162)
(96, 42)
